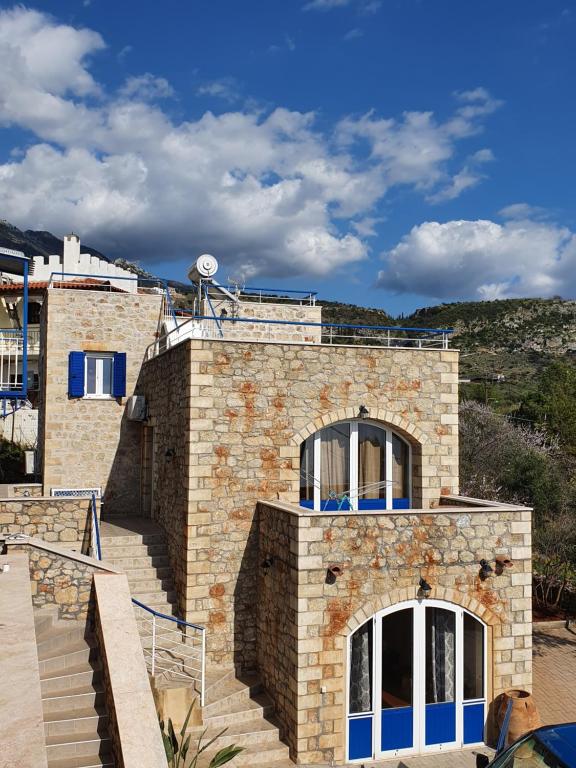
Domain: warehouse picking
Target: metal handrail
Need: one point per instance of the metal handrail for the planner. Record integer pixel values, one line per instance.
(168, 655)
(382, 335)
(96, 546)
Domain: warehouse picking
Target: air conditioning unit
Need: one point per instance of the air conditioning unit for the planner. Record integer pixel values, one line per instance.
(136, 408)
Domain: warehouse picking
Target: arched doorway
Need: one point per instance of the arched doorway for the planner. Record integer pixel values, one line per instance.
(417, 681)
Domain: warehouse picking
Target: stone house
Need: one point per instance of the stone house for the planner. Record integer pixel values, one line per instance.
(305, 479)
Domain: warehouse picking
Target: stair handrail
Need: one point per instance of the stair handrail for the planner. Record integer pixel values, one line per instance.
(180, 622)
(96, 547)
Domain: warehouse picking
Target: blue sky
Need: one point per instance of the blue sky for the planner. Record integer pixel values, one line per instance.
(395, 153)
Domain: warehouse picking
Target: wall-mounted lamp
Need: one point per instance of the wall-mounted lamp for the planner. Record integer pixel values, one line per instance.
(224, 312)
(425, 590)
(363, 412)
(266, 564)
(332, 573)
(486, 570)
(169, 454)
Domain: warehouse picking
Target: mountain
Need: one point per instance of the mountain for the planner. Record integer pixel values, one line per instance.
(36, 243)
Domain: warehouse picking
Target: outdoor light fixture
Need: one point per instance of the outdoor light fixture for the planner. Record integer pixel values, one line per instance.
(170, 453)
(502, 562)
(267, 564)
(224, 313)
(486, 570)
(425, 589)
(363, 412)
(332, 573)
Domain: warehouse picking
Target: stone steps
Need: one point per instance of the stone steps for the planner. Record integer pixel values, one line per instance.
(239, 705)
(75, 718)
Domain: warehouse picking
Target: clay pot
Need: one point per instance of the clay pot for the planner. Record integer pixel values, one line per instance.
(524, 716)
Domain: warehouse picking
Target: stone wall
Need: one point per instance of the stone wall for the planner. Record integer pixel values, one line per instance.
(89, 442)
(304, 621)
(166, 382)
(19, 490)
(235, 414)
(281, 311)
(56, 519)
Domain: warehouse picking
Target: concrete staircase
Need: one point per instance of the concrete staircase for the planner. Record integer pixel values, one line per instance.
(75, 717)
(240, 706)
(138, 547)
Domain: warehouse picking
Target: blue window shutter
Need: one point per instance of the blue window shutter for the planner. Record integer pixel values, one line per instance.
(76, 362)
(119, 375)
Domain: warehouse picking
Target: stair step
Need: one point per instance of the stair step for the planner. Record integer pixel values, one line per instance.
(84, 761)
(73, 656)
(79, 699)
(62, 685)
(133, 539)
(250, 709)
(55, 642)
(133, 550)
(80, 745)
(73, 714)
(234, 690)
(94, 724)
(154, 598)
(44, 618)
(141, 574)
(242, 734)
(150, 585)
(133, 563)
(266, 755)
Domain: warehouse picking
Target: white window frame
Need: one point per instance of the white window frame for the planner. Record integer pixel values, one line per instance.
(419, 676)
(353, 467)
(99, 357)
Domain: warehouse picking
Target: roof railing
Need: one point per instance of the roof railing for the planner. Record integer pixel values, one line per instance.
(276, 294)
(302, 332)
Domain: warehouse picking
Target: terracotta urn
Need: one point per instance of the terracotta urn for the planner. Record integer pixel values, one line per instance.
(524, 716)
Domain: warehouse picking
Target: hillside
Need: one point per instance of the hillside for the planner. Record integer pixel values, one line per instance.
(35, 243)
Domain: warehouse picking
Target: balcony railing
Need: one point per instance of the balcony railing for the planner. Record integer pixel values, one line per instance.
(291, 331)
(11, 358)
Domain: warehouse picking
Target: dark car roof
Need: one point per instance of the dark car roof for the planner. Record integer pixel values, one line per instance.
(561, 740)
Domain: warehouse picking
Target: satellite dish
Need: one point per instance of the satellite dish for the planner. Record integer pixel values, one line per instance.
(204, 267)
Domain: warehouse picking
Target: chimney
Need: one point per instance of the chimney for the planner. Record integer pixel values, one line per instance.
(71, 260)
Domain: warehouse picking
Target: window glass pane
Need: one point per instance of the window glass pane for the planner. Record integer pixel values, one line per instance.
(307, 470)
(371, 462)
(397, 659)
(335, 461)
(399, 469)
(361, 669)
(106, 375)
(440, 655)
(473, 658)
(90, 375)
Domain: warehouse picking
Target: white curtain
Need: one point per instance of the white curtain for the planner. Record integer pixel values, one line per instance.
(442, 637)
(361, 670)
(371, 462)
(335, 460)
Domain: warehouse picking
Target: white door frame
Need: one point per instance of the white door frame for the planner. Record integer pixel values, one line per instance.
(419, 679)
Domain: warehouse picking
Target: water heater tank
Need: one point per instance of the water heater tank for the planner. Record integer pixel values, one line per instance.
(204, 266)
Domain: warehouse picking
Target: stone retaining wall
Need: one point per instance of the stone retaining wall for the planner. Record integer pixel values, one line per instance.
(55, 519)
(304, 621)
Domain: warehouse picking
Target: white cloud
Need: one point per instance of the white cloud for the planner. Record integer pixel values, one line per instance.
(267, 191)
(482, 260)
(147, 87)
(364, 6)
(226, 89)
(353, 34)
(523, 211)
(467, 178)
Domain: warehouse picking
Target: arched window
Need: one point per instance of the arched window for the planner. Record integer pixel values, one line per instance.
(355, 465)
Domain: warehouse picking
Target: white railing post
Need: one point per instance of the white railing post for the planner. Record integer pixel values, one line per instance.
(203, 668)
(153, 644)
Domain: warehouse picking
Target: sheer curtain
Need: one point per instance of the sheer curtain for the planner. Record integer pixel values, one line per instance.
(371, 462)
(361, 670)
(441, 630)
(399, 468)
(335, 460)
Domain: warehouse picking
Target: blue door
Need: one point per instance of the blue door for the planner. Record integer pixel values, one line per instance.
(440, 677)
(397, 681)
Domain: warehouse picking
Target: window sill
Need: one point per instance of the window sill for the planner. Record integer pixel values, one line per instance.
(98, 397)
